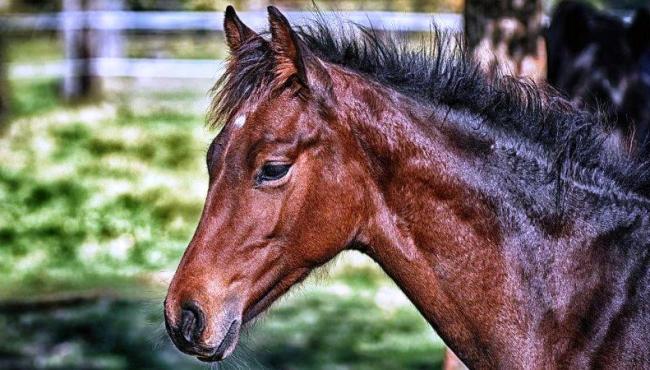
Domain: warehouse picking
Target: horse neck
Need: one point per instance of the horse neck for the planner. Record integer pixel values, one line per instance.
(439, 237)
(430, 233)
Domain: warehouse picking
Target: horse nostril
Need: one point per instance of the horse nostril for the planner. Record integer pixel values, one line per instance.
(192, 322)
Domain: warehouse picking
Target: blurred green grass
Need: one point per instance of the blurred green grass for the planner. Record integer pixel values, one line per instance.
(30, 47)
(103, 198)
(95, 189)
(43, 47)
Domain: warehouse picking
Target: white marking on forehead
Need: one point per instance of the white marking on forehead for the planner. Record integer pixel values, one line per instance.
(240, 120)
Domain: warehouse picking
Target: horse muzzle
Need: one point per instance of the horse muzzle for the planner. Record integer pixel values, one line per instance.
(195, 333)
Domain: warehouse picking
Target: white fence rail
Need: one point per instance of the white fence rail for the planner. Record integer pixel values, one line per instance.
(94, 40)
(123, 67)
(213, 21)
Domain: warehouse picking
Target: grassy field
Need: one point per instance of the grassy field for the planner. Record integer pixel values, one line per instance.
(96, 190)
(40, 48)
(102, 199)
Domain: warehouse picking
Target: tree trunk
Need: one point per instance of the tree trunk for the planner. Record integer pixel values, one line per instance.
(505, 36)
(5, 92)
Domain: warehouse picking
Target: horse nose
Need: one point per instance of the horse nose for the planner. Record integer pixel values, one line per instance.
(186, 331)
(192, 323)
(190, 328)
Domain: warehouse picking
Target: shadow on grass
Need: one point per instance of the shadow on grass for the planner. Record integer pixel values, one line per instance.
(314, 331)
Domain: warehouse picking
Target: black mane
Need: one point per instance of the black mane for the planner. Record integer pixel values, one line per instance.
(441, 72)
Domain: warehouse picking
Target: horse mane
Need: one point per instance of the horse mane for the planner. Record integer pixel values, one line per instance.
(440, 71)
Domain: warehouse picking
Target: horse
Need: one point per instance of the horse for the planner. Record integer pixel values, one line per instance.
(506, 215)
(603, 63)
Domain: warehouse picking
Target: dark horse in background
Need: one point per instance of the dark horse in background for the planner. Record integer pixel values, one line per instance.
(603, 64)
(520, 232)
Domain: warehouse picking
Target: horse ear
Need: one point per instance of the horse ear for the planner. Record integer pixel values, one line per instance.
(236, 31)
(286, 47)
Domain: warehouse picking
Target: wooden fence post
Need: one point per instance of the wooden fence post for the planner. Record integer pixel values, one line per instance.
(108, 40)
(77, 78)
(84, 46)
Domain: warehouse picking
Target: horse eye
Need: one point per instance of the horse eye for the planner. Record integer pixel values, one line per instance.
(272, 171)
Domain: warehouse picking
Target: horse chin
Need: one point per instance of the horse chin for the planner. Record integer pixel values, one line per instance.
(227, 345)
(272, 294)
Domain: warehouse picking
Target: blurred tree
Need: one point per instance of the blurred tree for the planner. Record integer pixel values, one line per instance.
(4, 78)
(505, 35)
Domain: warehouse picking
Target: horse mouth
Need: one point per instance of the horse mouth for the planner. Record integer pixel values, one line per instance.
(262, 303)
(226, 346)
(229, 341)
